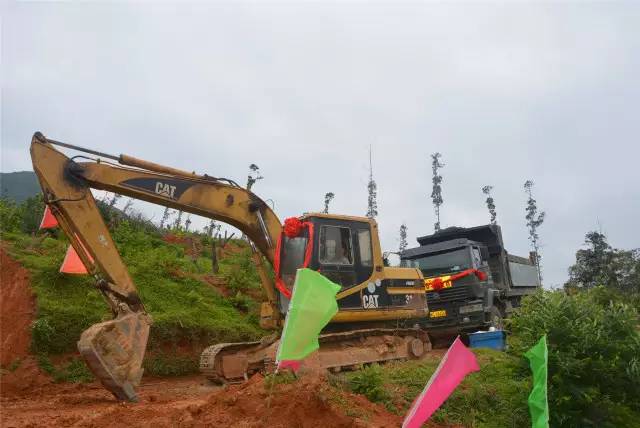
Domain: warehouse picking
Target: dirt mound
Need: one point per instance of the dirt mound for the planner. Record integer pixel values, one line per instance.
(25, 380)
(304, 403)
(17, 308)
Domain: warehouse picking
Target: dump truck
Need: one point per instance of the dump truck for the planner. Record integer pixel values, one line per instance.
(465, 302)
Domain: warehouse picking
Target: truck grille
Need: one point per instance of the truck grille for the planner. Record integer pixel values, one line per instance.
(449, 294)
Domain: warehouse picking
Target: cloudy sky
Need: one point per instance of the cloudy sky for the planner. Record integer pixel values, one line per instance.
(505, 91)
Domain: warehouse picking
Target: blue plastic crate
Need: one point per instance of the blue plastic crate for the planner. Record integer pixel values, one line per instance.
(488, 339)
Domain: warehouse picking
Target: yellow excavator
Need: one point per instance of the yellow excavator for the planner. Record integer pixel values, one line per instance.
(381, 308)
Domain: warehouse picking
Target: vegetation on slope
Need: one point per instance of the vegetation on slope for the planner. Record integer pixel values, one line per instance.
(496, 396)
(189, 312)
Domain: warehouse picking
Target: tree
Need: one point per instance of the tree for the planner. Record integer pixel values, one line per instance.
(178, 221)
(187, 223)
(601, 264)
(127, 206)
(327, 200)
(115, 199)
(165, 218)
(211, 228)
(372, 188)
(436, 192)
(534, 221)
(403, 238)
(490, 205)
(254, 175)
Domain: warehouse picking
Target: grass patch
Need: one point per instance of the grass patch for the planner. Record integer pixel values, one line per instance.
(183, 308)
(171, 364)
(74, 370)
(496, 396)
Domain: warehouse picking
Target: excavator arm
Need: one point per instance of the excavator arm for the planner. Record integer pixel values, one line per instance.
(114, 349)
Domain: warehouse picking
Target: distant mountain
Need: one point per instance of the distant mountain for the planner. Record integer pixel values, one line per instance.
(18, 185)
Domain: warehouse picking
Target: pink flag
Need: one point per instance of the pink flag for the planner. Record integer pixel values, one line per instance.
(455, 365)
(48, 220)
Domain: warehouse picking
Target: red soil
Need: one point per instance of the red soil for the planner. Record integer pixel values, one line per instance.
(29, 398)
(17, 307)
(193, 402)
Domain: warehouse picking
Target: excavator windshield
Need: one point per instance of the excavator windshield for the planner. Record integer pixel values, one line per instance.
(292, 258)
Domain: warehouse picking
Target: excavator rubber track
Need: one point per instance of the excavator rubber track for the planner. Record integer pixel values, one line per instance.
(235, 362)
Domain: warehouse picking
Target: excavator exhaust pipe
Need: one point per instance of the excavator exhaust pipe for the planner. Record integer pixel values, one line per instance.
(114, 351)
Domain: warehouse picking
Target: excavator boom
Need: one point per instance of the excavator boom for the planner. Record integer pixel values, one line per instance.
(114, 349)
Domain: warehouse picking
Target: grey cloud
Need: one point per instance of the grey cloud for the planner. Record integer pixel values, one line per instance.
(506, 91)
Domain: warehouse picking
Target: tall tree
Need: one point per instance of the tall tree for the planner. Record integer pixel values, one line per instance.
(254, 175)
(187, 223)
(534, 221)
(372, 188)
(115, 199)
(211, 228)
(436, 192)
(403, 238)
(178, 222)
(165, 218)
(127, 206)
(600, 264)
(328, 197)
(490, 204)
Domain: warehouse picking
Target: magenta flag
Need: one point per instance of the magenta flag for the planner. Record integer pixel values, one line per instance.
(455, 365)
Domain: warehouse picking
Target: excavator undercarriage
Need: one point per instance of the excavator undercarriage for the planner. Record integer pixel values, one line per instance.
(235, 362)
(114, 350)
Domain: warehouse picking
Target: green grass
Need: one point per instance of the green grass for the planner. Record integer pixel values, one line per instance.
(184, 308)
(496, 396)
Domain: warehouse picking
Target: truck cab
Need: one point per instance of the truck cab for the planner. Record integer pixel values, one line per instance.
(469, 302)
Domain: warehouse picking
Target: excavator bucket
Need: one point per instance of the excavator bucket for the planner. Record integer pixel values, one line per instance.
(114, 350)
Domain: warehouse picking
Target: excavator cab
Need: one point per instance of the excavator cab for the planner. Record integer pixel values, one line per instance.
(339, 247)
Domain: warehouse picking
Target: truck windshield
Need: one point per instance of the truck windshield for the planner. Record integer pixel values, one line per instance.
(443, 263)
(292, 258)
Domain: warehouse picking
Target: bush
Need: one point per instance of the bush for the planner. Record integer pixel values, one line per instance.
(10, 219)
(594, 355)
(370, 382)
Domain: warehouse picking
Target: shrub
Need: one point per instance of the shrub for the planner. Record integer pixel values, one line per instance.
(594, 355)
(10, 220)
(370, 382)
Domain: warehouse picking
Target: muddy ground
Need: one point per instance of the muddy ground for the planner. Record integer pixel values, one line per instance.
(30, 398)
(184, 402)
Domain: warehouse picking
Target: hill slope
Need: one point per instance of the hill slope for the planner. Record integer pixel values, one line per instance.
(18, 186)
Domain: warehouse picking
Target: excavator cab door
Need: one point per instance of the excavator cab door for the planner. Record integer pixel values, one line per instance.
(344, 254)
(339, 249)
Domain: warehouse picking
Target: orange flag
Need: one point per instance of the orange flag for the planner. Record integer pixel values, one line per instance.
(48, 220)
(72, 262)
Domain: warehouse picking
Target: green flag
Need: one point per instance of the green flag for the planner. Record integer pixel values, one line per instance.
(538, 405)
(312, 306)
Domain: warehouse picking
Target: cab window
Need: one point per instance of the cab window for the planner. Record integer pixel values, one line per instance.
(364, 244)
(477, 258)
(335, 245)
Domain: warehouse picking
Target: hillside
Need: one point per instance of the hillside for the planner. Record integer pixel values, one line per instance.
(191, 307)
(18, 186)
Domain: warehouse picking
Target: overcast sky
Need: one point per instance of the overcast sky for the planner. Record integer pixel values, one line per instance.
(505, 91)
